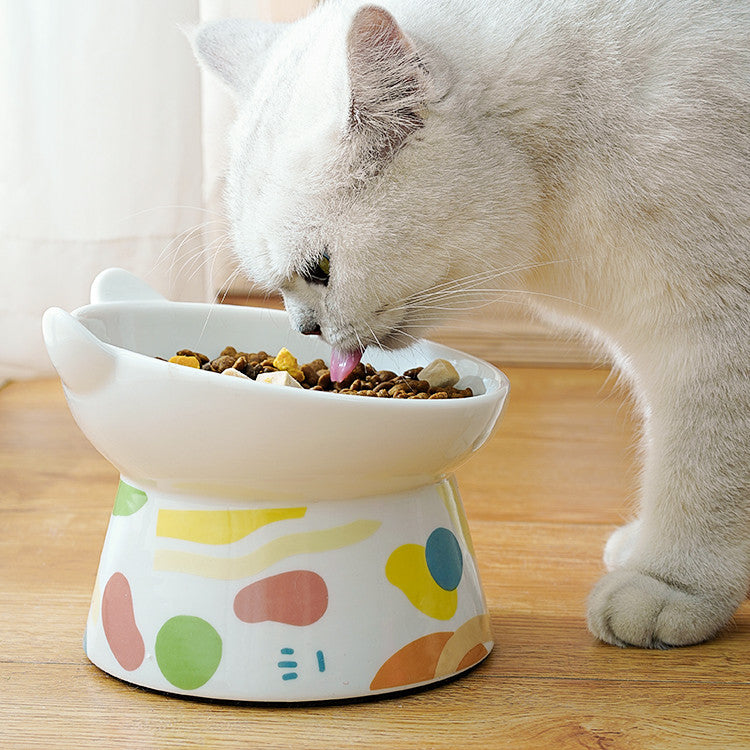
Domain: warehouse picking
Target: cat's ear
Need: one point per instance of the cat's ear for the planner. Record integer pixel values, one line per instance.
(388, 82)
(234, 49)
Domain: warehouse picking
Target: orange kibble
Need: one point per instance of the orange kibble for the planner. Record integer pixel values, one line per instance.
(181, 359)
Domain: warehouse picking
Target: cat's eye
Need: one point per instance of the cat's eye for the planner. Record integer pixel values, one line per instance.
(320, 271)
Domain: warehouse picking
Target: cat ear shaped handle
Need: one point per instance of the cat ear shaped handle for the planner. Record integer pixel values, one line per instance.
(83, 362)
(119, 285)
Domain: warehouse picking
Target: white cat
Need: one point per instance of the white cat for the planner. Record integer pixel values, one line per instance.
(390, 166)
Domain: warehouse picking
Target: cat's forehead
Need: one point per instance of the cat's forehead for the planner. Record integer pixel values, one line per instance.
(294, 122)
(303, 86)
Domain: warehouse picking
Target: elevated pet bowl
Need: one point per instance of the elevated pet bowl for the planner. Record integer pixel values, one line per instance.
(270, 543)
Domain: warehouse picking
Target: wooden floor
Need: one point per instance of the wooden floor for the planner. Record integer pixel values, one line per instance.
(541, 499)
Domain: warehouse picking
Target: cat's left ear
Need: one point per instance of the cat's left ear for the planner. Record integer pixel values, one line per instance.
(234, 49)
(388, 81)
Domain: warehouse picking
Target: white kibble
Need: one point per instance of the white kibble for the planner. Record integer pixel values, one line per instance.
(282, 377)
(235, 373)
(440, 374)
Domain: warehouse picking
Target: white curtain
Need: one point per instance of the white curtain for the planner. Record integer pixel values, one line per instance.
(111, 154)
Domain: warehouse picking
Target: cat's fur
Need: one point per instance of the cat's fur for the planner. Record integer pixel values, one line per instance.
(594, 154)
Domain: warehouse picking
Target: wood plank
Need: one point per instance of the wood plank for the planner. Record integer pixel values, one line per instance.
(82, 707)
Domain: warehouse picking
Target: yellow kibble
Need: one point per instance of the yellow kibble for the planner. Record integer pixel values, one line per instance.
(285, 360)
(181, 359)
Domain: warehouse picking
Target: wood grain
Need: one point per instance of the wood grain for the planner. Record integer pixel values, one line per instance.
(553, 482)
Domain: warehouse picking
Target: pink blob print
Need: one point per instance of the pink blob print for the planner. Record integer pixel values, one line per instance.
(299, 597)
(118, 621)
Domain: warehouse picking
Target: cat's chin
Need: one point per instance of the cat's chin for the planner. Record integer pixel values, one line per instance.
(396, 340)
(398, 337)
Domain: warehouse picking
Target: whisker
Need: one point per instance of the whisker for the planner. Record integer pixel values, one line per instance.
(470, 282)
(463, 300)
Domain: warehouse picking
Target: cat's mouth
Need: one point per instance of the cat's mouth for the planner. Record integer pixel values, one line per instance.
(345, 356)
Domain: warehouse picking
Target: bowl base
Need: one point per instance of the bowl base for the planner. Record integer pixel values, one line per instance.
(264, 601)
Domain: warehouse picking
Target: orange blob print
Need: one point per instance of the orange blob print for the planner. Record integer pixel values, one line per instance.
(414, 663)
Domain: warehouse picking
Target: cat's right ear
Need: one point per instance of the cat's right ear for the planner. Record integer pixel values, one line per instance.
(234, 49)
(389, 84)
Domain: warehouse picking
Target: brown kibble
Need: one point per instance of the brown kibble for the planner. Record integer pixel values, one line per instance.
(438, 394)
(310, 374)
(324, 379)
(229, 351)
(384, 375)
(222, 362)
(413, 372)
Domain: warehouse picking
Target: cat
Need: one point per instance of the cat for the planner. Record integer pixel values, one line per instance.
(394, 163)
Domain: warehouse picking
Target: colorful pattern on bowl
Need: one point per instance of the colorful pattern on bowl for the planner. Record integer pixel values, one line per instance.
(328, 600)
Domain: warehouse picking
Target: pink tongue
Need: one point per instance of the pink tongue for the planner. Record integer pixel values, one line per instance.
(342, 363)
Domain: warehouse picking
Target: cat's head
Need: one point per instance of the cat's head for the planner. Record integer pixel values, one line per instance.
(354, 187)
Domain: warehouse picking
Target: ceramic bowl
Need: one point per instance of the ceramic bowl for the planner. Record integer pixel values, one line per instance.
(271, 543)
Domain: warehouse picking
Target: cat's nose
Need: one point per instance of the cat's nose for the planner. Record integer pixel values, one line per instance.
(310, 329)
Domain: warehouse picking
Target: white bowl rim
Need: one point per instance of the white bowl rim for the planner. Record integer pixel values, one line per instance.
(491, 373)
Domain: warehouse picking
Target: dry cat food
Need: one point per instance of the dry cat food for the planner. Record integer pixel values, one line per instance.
(436, 381)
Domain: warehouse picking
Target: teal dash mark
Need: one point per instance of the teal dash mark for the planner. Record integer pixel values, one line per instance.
(321, 661)
(288, 665)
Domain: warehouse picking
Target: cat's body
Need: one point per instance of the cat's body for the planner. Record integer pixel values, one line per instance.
(593, 156)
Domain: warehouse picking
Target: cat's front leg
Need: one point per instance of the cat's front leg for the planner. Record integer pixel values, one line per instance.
(681, 570)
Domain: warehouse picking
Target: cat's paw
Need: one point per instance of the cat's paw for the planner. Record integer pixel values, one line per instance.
(631, 608)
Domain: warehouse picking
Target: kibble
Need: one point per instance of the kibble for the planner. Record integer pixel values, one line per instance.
(279, 377)
(439, 374)
(435, 381)
(186, 360)
(235, 373)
